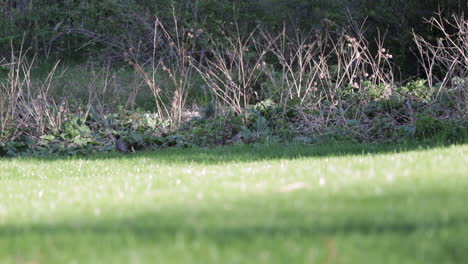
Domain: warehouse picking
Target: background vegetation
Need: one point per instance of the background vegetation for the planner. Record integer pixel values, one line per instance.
(59, 28)
(251, 71)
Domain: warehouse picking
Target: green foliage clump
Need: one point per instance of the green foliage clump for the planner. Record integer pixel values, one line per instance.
(211, 131)
(417, 90)
(432, 130)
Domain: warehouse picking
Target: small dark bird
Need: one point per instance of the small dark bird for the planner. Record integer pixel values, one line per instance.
(120, 144)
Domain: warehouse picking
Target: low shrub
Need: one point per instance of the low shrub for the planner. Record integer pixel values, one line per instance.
(429, 129)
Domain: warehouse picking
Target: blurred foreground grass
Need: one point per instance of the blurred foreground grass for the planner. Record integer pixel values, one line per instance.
(240, 204)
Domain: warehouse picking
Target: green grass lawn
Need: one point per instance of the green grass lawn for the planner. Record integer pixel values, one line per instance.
(241, 204)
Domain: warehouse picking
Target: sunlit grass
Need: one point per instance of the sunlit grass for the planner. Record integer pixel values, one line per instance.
(242, 204)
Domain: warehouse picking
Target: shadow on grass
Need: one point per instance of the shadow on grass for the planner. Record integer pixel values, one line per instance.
(251, 219)
(243, 234)
(250, 153)
(150, 227)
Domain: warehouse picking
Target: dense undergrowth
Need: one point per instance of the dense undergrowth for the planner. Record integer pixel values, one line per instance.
(144, 130)
(330, 85)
